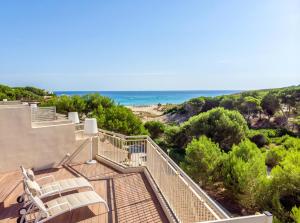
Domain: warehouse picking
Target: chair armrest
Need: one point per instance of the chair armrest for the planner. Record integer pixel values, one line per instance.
(46, 177)
(61, 204)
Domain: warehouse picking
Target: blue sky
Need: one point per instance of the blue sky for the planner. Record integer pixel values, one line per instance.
(150, 44)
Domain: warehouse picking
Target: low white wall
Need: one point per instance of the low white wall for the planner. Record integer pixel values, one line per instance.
(261, 218)
(38, 148)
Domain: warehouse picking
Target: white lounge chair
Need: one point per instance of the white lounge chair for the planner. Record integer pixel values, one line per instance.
(61, 205)
(49, 189)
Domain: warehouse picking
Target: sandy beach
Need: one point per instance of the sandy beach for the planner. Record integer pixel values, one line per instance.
(148, 112)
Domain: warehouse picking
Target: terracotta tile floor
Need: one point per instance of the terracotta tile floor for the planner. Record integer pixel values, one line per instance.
(129, 196)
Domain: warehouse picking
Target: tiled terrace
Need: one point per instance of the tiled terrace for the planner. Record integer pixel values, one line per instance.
(129, 196)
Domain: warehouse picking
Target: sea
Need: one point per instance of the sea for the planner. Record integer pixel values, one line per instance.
(143, 98)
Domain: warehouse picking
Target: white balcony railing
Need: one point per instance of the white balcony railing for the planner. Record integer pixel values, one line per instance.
(43, 114)
(188, 202)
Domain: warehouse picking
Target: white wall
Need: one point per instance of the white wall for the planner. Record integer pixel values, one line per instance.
(39, 147)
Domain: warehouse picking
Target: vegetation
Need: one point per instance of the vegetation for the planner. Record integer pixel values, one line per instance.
(280, 192)
(155, 128)
(274, 108)
(270, 104)
(245, 145)
(243, 170)
(22, 93)
(109, 115)
(223, 126)
(203, 154)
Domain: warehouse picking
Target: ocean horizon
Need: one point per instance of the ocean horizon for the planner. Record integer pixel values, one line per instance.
(139, 98)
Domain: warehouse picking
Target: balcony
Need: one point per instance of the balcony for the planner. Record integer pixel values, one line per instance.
(134, 175)
(129, 196)
(184, 200)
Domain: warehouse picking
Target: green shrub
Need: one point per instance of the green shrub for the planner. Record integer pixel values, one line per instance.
(275, 155)
(119, 119)
(210, 103)
(194, 106)
(250, 106)
(109, 115)
(162, 143)
(243, 170)
(155, 128)
(174, 136)
(295, 214)
(65, 104)
(288, 142)
(268, 133)
(93, 101)
(228, 102)
(260, 140)
(22, 93)
(177, 154)
(222, 126)
(202, 159)
(2, 96)
(36, 91)
(280, 192)
(270, 104)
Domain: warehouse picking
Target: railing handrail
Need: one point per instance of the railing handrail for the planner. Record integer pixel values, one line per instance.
(188, 180)
(41, 114)
(121, 135)
(197, 190)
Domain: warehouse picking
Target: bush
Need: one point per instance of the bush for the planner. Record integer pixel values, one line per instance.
(2, 96)
(109, 115)
(260, 140)
(222, 126)
(228, 102)
(268, 133)
(172, 140)
(65, 104)
(174, 136)
(22, 93)
(202, 160)
(94, 101)
(177, 154)
(275, 155)
(155, 128)
(210, 103)
(119, 119)
(37, 91)
(280, 192)
(243, 170)
(194, 106)
(270, 104)
(288, 142)
(295, 214)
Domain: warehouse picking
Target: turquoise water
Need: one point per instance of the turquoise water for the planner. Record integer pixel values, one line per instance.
(151, 97)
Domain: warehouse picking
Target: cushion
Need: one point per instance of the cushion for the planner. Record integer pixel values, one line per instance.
(30, 174)
(33, 187)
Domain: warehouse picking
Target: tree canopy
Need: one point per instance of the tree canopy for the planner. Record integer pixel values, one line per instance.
(222, 126)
